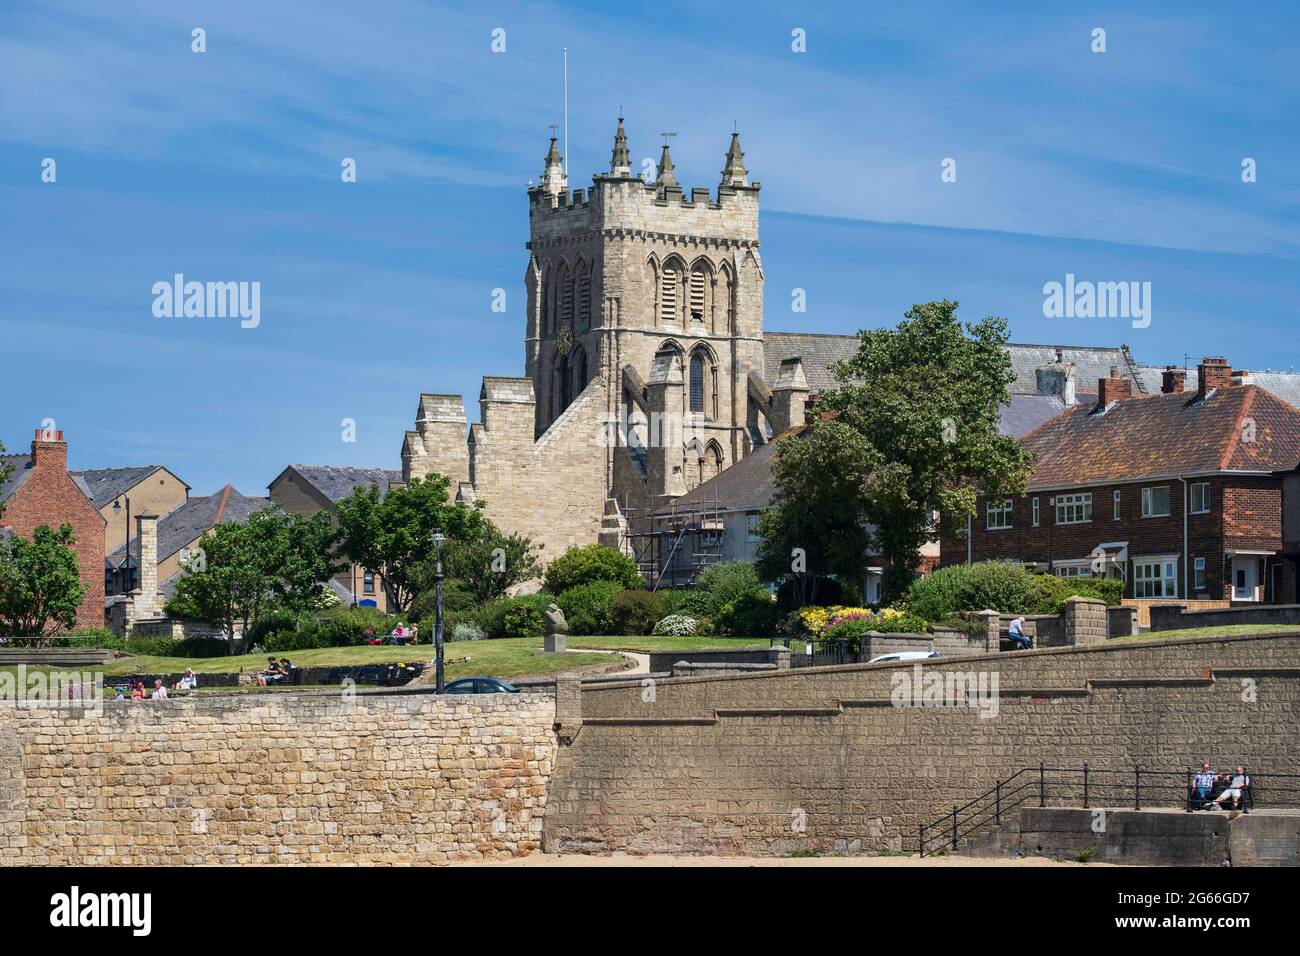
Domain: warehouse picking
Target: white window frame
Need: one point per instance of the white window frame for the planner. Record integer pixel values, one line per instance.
(1116, 510)
(1005, 514)
(1067, 506)
(751, 529)
(1204, 488)
(1081, 568)
(1200, 577)
(1036, 513)
(1162, 584)
(1149, 502)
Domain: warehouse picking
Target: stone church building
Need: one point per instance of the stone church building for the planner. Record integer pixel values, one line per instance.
(643, 358)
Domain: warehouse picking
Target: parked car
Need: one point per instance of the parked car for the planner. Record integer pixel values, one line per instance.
(479, 685)
(902, 656)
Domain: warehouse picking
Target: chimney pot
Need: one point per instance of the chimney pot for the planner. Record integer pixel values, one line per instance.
(1214, 373)
(1174, 380)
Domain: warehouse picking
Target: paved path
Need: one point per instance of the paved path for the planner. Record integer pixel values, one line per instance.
(641, 662)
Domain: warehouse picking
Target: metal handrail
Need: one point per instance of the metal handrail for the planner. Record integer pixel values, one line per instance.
(951, 827)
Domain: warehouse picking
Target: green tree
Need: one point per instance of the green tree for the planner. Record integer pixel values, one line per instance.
(392, 535)
(927, 395)
(6, 470)
(486, 566)
(238, 572)
(584, 565)
(40, 584)
(818, 524)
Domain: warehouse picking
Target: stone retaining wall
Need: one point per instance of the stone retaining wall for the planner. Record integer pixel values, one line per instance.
(397, 778)
(822, 759)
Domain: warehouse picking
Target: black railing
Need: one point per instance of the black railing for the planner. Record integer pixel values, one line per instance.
(816, 652)
(1068, 786)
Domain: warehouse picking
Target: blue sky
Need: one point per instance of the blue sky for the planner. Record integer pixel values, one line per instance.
(1115, 166)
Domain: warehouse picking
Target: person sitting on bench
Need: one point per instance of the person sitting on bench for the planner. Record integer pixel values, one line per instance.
(1203, 783)
(1236, 785)
(1016, 632)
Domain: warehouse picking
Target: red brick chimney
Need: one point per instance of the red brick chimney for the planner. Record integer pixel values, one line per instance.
(1214, 373)
(49, 450)
(1113, 389)
(1175, 380)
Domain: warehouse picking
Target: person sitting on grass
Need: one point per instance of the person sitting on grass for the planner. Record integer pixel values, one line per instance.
(286, 670)
(189, 681)
(1236, 785)
(137, 689)
(1203, 783)
(159, 691)
(1016, 632)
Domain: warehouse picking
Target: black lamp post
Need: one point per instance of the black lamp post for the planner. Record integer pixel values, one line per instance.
(126, 573)
(438, 541)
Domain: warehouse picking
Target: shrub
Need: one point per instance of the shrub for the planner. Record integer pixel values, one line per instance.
(674, 600)
(149, 646)
(851, 630)
(465, 632)
(579, 566)
(587, 607)
(1000, 586)
(635, 613)
(304, 640)
(823, 591)
(720, 585)
(750, 615)
(676, 625)
(506, 617)
(896, 621)
(100, 637)
(200, 647)
(268, 623)
(938, 595)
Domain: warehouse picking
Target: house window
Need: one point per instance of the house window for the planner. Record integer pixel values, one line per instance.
(1155, 502)
(1199, 565)
(999, 515)
(751, 529)
(368, 582)
(1201, 498)
(1155, 578)
(1074, 509)
(1035, 512)
(1116, 505)
(1073, 571)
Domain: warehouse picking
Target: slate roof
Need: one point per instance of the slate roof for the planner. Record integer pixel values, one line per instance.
(1027, 412)
(107, 484)
(336, 482)
(180, 526)
(22, 467)
(745, 486)
(1285, 385)
(820, 352)
(1160, 436)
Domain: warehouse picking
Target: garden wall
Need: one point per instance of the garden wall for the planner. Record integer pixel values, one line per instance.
(368, 779)
(819, 759)
(1173, 617)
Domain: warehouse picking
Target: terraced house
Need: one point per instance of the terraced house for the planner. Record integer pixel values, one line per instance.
(1179, 494)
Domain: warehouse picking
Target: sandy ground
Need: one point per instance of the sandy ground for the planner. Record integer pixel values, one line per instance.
(582, 860)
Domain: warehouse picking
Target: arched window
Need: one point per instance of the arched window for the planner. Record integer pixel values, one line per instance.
(584, 297)
(565, 384)
(722, 312)
(697, 381)
(672, 293)
(579, 365)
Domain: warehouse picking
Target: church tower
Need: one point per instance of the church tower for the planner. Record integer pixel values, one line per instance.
(655, 297)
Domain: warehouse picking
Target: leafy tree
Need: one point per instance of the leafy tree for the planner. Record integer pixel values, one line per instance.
(229, 581)
(926, 397)
(579, 566)
(486, 565)
(818, 525)
(392, 535)
(6, 470)
(297, 551)
(40, 584)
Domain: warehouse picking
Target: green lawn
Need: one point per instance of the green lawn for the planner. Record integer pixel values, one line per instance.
(1227, 630)
(510, 658)
(645, 645)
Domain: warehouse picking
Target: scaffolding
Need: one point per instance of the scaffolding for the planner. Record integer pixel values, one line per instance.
(672, 545)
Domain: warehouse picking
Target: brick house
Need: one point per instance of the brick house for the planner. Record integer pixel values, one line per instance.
(1178, 494)
(40, 491)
